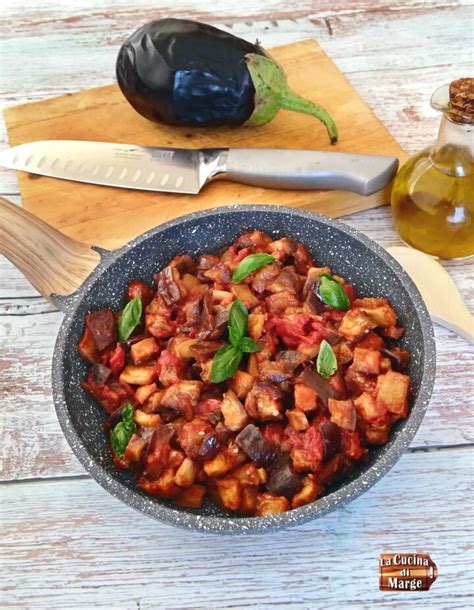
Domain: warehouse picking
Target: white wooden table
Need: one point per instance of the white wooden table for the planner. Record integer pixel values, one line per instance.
(65, 542)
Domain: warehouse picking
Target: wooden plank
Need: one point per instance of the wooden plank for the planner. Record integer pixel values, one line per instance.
(109, 217)
(69, 544)
(33, 444)
(352, 36)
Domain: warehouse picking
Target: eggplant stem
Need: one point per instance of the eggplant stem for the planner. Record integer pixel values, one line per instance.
(289, 100)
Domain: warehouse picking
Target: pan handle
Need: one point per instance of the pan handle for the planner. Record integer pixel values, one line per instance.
(54, 263)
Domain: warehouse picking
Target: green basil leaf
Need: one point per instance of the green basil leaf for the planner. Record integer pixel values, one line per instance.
(250, 263)
(248, 345)
(129, 318)
(123, 431)
(332, 293)
(326, 363)
(237, 325)
(225, 363)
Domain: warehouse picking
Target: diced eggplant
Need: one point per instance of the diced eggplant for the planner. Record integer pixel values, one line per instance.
(398, 358)
(264, 401)
(283, 248)
(288, 280)
(191, 497)
(103, 326)
(378, 310)
(143, 350)
(252, 442)
(183, 263)
(308, 493)
(100, 373)
(331, 434)
(247, 474)
(263, 277)
(305, 398)
(298, 420)
(87, 347)
(168, 285)
(245, 295)
(230, 492)
(138, 375)
(158, 451)
(186, 473)
(182, 396)
(392, 392)
(321, 386)
(275, 371)
(355, 324)
(219, 274)
(253, 239)
(282, 481)
(235, 416)
(343, 413)
(366, 361)
(241, 383)
(269, 504)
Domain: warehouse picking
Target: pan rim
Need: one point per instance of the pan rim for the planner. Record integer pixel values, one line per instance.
(392, 451)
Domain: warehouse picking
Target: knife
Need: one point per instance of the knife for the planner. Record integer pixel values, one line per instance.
(183, 170)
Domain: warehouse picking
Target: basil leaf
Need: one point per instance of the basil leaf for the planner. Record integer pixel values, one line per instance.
(248, 345)
(332, 293)
(129, 318)
(250, 263)
(237, 324)
(123, 431)
(225, 363)
(326, 363)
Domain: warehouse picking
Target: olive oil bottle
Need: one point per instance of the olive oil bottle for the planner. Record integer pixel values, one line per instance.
(433, 194)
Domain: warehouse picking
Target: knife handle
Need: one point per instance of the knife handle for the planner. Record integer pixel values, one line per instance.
(310, 170)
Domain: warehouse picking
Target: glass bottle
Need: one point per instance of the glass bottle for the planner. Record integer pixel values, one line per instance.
(433, 194)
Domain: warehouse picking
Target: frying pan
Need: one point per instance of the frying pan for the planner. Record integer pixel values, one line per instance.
(79, 278)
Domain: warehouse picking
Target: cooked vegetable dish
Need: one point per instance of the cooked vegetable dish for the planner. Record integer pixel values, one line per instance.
(251, 376)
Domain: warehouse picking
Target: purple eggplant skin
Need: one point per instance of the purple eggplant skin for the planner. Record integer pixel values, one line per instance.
(182, 72)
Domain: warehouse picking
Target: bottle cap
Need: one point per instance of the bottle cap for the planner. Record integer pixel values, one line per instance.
(461, 97)
(456, 100)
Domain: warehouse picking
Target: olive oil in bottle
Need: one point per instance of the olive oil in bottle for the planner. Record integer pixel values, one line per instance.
(433, 194)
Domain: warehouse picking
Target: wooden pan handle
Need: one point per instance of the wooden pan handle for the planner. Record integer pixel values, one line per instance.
(51, 261)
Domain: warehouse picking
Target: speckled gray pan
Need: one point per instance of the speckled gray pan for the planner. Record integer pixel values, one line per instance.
(362, 262)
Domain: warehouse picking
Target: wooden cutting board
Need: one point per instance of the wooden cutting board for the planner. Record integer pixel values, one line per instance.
(109, 216)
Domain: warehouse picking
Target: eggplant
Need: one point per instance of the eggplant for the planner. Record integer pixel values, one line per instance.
(254, 444)
(183, 72)
(282, 481)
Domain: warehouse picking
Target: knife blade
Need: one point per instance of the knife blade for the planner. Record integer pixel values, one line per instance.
(183, 170)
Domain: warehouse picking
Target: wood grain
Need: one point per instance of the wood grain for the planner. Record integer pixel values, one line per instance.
(52, 262)
(34, 445)
(110, 217)
(69, 544)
